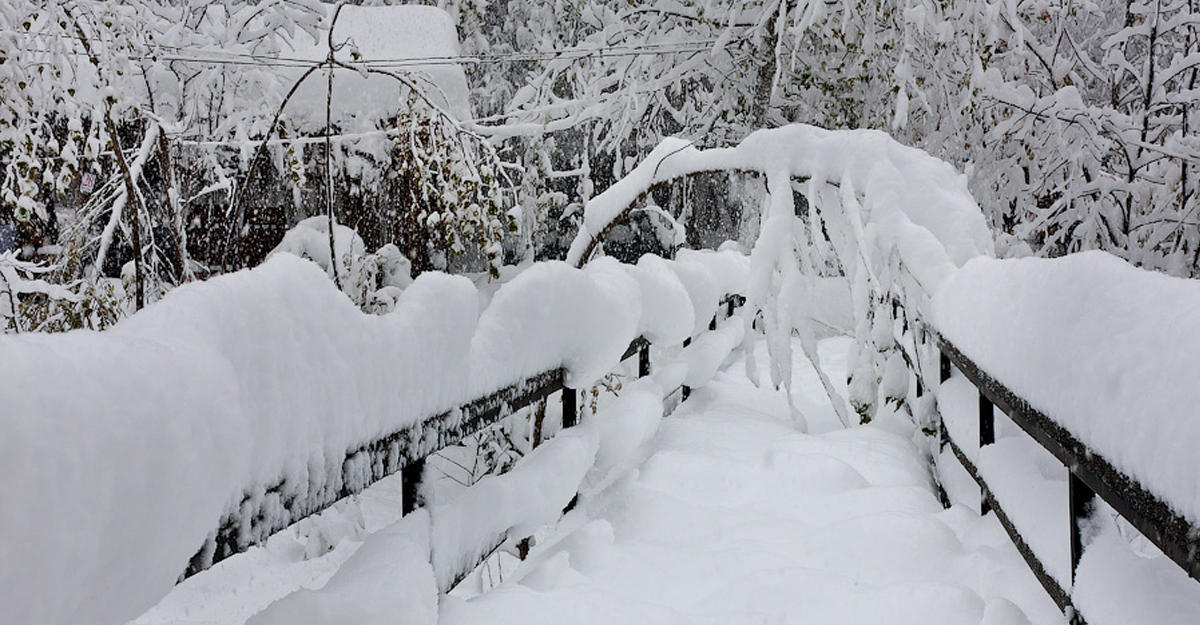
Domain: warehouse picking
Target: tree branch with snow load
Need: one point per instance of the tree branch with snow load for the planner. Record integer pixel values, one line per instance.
(876, 209)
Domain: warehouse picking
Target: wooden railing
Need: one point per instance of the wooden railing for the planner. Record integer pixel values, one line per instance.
(286, 502)
(1090, 475)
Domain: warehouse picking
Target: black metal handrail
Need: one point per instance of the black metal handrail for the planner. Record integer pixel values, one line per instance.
(1089, 475)
(263, 512)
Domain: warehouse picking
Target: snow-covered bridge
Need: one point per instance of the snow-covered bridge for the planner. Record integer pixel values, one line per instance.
(235, 407)
(726, 514)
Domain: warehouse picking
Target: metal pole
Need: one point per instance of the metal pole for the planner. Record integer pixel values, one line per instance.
(410, 486)
(570, 410)
(987, 436)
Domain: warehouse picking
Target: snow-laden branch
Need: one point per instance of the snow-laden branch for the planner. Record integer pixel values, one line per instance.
(149, 141)
(901, 186)
(874, 205)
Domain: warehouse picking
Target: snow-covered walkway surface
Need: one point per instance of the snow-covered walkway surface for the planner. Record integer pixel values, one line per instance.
(728, 515)
(734, 516)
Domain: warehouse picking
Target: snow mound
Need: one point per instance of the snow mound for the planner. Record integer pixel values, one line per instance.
(387, 580)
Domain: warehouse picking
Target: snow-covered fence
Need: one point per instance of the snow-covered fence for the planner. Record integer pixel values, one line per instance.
(902, 228)
(236, 406)
(1090, 357)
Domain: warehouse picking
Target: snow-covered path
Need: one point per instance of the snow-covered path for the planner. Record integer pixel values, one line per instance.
(736, 517)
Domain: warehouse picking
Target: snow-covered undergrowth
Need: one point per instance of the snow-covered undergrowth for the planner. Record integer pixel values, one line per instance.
(895, 220)
(120, 450)
(1098, 346)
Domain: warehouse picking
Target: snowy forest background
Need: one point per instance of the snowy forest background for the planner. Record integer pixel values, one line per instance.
(144, 143)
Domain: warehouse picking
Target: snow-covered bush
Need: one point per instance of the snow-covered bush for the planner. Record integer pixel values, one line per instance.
(373, 281)
(30, 303)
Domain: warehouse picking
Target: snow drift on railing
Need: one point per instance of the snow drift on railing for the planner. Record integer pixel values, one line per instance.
(121, 450)
(1105, 349)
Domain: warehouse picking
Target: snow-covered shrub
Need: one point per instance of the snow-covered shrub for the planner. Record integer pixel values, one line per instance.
(451, 185)
(30, 303)
(373, 281)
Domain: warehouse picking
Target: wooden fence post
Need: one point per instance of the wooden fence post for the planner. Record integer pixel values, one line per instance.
(644, 360)
(987, 436)
(1080, 496)
(410, 486)
(570, 409)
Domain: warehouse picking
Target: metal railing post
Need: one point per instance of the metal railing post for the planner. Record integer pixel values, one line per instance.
(943, 375)
(410, 486)
(570, 407)
(1080, 496)
(686, 391)
(987, 436)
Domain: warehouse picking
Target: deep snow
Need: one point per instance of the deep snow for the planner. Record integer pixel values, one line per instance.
(1122, 577)
(722, 513)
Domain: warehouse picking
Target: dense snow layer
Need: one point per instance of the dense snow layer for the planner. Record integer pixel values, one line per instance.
(532, 494)
(736, 517)
(1123, 579)
(910, 201)
(730, 515)
(705, 355)
(119, 451)
(379, 33)
(1100, 346)
(306, 555)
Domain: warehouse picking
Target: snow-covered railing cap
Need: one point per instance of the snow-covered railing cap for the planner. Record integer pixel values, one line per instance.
(1053, 344)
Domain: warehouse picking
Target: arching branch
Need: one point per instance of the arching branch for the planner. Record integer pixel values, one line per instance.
(595, 240)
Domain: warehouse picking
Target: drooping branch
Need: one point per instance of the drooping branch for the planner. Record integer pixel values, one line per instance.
(593, 241)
